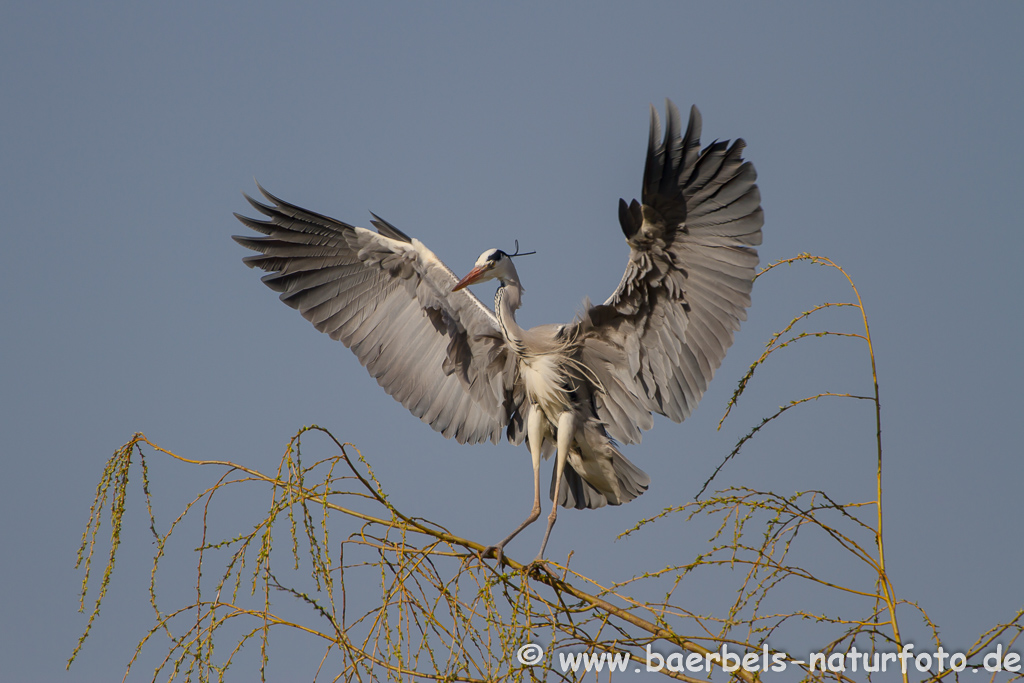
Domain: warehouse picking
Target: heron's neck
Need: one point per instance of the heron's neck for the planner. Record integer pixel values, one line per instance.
(506, 301)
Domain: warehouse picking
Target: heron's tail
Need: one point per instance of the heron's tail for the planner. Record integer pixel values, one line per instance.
(593, 482)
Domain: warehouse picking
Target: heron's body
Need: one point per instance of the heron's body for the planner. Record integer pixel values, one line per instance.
(558, 385)
(573, 389)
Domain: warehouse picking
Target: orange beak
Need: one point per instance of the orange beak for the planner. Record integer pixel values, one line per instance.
(471, 277)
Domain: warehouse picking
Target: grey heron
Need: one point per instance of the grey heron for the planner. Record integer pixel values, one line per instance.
(574, 390)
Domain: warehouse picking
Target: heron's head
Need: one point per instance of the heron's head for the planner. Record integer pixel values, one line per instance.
(492, 264)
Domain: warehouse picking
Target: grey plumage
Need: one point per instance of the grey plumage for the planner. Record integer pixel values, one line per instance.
(652, 347)
(386, 297)
(687, 283)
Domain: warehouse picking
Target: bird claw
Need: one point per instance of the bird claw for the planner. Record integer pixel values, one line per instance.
(495, 551)
(538, 565)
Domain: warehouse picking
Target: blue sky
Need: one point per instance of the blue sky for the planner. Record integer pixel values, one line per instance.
(887, 137)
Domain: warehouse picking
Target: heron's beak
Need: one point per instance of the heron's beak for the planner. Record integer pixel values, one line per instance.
(472, 277)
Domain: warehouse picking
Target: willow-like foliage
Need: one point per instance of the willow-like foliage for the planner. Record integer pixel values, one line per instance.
(330, 536)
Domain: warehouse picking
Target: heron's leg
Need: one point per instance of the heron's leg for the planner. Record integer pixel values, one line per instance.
(566, 432)
(535, 431)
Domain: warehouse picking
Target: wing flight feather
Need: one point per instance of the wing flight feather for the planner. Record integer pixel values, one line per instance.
(657, 341)
(388, 298)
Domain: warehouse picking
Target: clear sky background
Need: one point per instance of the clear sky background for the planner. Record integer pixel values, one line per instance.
(887, 136)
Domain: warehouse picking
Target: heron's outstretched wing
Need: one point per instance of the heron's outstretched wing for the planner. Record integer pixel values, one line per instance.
(388, 298)
(656, 342)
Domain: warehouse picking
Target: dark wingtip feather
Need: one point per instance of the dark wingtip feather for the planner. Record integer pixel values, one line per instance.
(672, 151)
(259, 206)
(288, 210)
(694, 125)
(629, 228)
(388, 230)
(652, 172)
(265, 193)
(265, 227)
(691, 139)
(244, 241)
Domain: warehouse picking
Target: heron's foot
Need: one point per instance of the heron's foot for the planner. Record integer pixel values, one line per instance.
(538, 565)
(495, 551)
